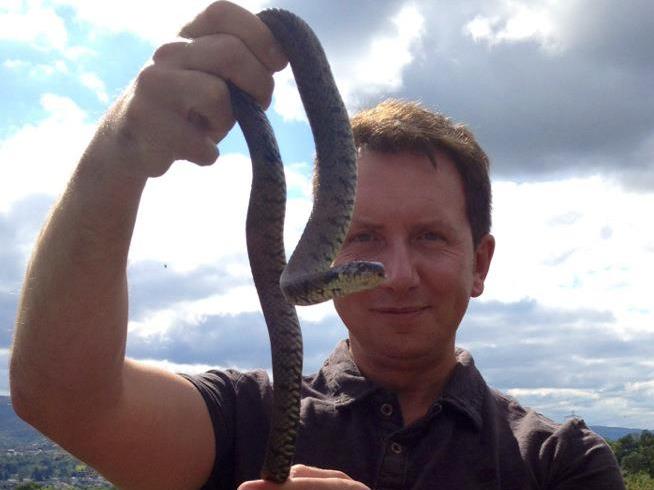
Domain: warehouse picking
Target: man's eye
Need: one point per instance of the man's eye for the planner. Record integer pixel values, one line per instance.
(362, 237)
(431, 236)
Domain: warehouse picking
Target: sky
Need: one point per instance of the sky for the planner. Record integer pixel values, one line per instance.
(558, 93)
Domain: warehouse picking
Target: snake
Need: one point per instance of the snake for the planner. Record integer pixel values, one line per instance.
(309, 277)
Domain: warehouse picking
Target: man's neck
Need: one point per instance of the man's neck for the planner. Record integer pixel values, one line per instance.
(416, 382)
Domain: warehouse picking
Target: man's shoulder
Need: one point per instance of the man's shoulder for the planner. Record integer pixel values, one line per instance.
(221, 383)
(572, 437)
(526, 422)
(552, 448)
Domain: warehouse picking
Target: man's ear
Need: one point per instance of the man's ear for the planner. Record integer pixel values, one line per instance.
(483, 257)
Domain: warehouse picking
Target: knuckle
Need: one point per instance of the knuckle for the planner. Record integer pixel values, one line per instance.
(221, 131)
(230, 49)
(217, 10)
(211, 18)
(168, 51)
(218, 91)
(204, 155)
(216, 109)
(298, 470)
(148, 78)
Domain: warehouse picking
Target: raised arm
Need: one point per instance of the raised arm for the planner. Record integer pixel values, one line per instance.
(141, 427)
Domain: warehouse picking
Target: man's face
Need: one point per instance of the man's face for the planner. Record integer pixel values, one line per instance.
(411, 216)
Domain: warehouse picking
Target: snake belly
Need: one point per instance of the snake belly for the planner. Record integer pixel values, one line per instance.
(308, 278)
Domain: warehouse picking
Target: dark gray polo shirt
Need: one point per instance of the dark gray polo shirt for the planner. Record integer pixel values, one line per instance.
(473, 437)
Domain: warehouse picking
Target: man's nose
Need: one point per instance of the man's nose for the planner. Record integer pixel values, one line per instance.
(400, 268)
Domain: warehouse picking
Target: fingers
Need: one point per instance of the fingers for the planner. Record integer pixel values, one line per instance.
(228, 18)
(196, 97)
(306, 484)
(309, 478)
(224, 56)
(300, 470)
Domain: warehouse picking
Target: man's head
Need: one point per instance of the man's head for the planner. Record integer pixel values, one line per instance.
(422, 209)
(396, 126)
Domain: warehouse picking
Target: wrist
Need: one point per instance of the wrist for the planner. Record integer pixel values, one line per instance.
(107, 168)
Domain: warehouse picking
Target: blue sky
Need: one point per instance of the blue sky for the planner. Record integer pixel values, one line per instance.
(559, 95)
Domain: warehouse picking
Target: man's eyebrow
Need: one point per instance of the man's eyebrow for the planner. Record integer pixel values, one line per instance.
(363, 223)
(434, 222)
(366, 223)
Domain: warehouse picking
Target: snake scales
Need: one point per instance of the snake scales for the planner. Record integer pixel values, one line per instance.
(308, 278)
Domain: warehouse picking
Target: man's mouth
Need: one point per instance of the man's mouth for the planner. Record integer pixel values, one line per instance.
(404, 310)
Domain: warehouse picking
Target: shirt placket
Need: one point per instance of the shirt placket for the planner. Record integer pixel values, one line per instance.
(393, 467)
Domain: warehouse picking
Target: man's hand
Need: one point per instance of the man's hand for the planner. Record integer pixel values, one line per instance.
(178, 107)
(308, 478)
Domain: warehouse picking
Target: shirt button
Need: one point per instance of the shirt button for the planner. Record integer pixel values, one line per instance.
(386, 409)
(396, 448)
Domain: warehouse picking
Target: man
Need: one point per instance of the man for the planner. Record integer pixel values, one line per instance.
(395, 407)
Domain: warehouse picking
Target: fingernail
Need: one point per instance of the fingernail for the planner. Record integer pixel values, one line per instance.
(249, 485)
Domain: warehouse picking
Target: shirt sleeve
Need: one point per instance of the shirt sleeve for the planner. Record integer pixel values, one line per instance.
(580, 460)
(237, 404)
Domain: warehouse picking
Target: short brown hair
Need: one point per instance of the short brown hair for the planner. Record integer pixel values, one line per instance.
(401, 126)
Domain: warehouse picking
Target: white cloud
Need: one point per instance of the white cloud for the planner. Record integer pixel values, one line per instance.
(565, 393)
(38, 158)
(33, 23)
(240, 299)
(234, 301)
(193, 217)
(96, 85)
(185, 368)
(574, 242)
(286, 99)
(596, 407)
(377, 68)
(481, 27)
(514, 21)
(642, 388)
(36, 70)
(37, 22)
(380, 68)
(163, 19)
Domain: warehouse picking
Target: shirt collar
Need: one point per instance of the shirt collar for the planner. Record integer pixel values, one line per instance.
(465, 390)
(342, 377)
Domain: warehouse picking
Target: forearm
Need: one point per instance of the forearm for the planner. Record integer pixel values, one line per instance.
(72, 319)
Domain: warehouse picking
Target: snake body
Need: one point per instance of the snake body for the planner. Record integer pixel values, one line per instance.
(308, 278)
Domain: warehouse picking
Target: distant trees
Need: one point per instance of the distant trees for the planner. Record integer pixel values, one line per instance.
(34, 468)
(636, 458)
(36, 486)
(28, 486)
